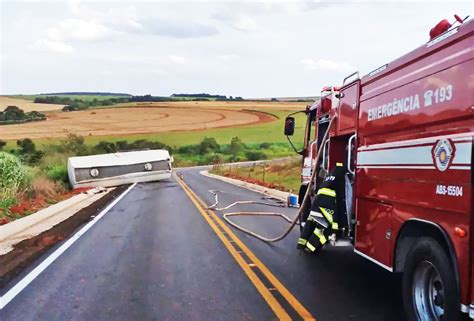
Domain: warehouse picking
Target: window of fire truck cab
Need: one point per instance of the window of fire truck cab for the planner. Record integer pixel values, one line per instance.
(310, 129)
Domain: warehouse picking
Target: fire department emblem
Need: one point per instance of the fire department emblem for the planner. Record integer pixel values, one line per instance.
(443, 154)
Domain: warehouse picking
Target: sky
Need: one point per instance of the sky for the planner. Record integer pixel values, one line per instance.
(239, 48)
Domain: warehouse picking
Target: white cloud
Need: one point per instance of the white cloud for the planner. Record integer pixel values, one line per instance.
(51, 46)
(74, 5)
(78, 29)
(179, 60)
(178, 28)
(238, 21)
(228, 57)
(244, 23)
(58, 39)
(123, 18)
(135, 39)
(327, 65)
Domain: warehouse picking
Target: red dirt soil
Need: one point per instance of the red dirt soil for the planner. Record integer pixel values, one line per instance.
(255, 181)
(27, 206)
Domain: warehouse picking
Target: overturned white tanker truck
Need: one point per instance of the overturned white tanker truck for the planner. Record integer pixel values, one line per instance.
(106, 170)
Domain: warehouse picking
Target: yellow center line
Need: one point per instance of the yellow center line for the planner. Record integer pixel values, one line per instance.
(276, 307)
(267, 296)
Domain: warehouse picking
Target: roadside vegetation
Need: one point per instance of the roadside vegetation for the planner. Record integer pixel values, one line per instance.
(37, 176)
(283, 175)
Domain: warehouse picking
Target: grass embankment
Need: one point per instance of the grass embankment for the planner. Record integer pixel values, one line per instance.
(282, 176)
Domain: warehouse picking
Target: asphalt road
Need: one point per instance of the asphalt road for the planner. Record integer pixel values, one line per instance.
(159, 255)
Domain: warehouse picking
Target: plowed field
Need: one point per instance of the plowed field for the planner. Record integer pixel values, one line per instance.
(143, 118)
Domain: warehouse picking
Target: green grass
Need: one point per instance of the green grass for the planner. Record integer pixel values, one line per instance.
(81, 97)
(284, 177)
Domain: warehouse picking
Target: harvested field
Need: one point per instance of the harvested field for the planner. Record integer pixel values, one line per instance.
(135, 120)
(26, 105)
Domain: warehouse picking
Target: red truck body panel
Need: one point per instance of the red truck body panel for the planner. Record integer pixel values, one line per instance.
(415, 126)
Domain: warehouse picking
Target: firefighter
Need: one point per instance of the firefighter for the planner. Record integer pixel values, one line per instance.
(325, 219)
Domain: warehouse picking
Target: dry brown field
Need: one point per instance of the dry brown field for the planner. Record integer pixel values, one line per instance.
(26, 105)
(148, 118)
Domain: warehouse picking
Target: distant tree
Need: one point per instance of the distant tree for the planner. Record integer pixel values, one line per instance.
(236, 145)
(142, 144)
(122, 145)
(26, 146)
(274, 99)
(28, 152)
(200, 95)
(73, 144)
(105, 147)
(35, 115)
(208, 145)
(13, 113)
(255, 155)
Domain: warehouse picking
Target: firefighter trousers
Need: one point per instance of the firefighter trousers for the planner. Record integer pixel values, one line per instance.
(315, 232)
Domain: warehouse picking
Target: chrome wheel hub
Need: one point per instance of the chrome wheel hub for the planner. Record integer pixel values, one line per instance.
(428, 292)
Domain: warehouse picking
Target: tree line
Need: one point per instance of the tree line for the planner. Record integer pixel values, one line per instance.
(14, 115)
(78, 104)
(73, 104)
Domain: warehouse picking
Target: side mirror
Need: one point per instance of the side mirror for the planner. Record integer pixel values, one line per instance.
(289, 126)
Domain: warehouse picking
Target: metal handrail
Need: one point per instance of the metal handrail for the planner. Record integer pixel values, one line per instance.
(349, 154)
(324, 164)
(351, 75)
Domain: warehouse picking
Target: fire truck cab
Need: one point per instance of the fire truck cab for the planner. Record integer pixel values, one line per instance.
(405, 134)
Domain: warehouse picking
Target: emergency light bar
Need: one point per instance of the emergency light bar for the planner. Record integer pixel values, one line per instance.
(444, 25)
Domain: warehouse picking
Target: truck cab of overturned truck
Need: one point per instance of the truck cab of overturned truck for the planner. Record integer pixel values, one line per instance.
(405, 134)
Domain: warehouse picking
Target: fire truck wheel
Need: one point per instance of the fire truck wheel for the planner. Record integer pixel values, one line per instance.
(430, 291)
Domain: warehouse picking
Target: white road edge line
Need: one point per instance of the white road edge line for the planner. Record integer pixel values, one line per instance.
(23, 283)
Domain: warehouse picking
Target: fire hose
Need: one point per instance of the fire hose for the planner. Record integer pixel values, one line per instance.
(293, 222)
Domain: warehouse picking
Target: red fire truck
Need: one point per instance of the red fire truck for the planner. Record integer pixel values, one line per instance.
(405, 132)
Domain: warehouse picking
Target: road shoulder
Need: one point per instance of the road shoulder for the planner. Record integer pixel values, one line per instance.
(24, 252)
(252, 187)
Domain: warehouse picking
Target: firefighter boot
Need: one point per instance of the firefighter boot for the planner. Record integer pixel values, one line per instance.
(316, 240)
(306, 233)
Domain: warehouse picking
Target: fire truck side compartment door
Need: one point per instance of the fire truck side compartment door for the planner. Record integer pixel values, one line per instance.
(373, 230)
(348, 108)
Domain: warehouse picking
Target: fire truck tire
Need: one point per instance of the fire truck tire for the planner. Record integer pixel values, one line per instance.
(429, 285)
